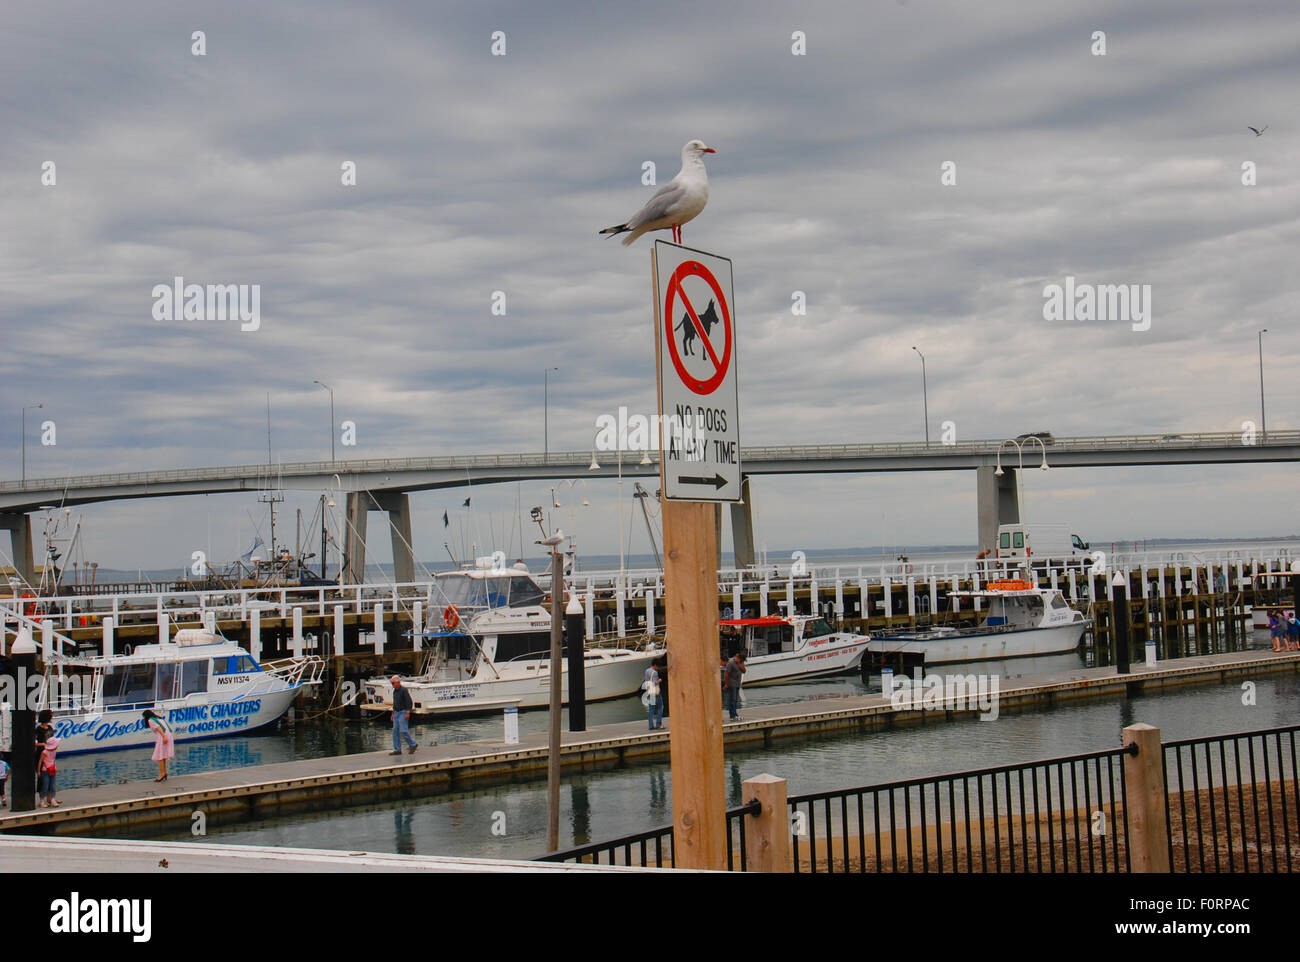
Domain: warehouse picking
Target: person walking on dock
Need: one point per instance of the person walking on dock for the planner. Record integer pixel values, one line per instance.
(164, 747)
(731, 681)
(401, 719)
(1276, 629)
(4, 777)
(654, 699)
(1292, 632)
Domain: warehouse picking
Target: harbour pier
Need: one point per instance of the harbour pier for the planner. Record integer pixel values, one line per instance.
(232, 796)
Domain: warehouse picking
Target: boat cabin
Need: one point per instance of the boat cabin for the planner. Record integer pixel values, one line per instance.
(488, 588)
(194, 661)
(770, 635)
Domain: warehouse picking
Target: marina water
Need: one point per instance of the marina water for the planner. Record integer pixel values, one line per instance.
(509, 821)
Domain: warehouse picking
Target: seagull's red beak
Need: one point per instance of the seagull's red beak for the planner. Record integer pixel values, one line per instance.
(709, 150)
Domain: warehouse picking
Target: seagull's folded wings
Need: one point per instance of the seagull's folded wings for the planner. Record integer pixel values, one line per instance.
(659, 206)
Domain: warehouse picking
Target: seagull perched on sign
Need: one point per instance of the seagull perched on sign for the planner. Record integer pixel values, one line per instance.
(1260, 131)
(676, 202)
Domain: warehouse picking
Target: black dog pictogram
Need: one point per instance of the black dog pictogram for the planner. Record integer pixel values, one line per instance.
(708, 318)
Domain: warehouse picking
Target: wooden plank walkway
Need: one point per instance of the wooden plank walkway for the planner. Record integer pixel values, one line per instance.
(234, 795)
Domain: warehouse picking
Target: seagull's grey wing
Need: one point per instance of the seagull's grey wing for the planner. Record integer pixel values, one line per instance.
(659, 206)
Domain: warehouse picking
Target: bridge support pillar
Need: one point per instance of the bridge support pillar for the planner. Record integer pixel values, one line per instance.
(998, 503)
(19, 526)
(397, 505)
(354, 539)
(742, 527)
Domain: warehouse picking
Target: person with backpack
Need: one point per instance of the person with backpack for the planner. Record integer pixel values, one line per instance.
(46, 772)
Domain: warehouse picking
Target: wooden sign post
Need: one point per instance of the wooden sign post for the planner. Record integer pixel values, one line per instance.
(699, 466)
(694, 689)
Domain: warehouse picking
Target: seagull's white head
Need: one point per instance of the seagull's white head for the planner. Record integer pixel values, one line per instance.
(695, 150)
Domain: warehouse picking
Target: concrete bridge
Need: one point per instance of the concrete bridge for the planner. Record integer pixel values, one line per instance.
(384, 484)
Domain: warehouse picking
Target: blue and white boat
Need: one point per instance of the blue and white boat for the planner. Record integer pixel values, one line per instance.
(203, 685)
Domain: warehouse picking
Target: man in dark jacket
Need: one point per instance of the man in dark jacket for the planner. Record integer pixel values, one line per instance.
(731, 679)
(401, 718)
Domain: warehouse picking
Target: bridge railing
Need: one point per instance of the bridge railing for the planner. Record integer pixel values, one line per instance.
(752, 453)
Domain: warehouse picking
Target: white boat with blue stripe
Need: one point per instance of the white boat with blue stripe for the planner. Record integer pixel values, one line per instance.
(203, 685)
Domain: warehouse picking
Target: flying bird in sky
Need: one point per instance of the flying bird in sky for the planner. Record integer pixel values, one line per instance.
(1260, 131)
(676, 202)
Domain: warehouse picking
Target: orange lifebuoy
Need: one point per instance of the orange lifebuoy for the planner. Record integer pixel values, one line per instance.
(1012, 585)
(450, 616)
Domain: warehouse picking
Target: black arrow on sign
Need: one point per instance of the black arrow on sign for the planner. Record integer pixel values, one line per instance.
(717, 482)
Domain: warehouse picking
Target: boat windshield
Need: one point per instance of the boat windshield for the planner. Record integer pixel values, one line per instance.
(143, 684)
(513, 591)
(815, 629)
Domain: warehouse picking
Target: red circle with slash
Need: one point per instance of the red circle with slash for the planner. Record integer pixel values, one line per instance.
(675, 292)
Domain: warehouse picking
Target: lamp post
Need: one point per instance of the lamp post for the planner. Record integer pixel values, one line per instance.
(546, 411)
(573, 485)
(29, 407)
(1263, 420)
(1020, 451)
(925, 396)
(331, 390)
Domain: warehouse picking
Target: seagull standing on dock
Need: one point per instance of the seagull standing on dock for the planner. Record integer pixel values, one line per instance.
(676, 202)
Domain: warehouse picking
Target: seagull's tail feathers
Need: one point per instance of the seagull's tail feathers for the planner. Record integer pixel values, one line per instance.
(616, 230)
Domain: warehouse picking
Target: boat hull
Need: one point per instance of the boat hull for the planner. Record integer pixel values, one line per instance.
(978, 646)
(614, 678)
(188, 720)
(814, 660)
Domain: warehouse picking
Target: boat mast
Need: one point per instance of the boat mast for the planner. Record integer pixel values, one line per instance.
(324, 535)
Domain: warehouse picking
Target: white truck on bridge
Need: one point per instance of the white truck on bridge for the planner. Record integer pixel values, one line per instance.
(1043, 541)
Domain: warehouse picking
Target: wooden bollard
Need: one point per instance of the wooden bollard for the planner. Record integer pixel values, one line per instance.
(1144, 775)
(767, 833)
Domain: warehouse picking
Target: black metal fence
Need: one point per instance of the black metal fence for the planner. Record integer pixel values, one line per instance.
(1232, 802)
(1061, 815)
(654, 849)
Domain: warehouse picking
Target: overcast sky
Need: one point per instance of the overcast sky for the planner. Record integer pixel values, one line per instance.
(478, 173)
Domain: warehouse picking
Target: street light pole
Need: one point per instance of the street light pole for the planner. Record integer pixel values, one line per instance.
(1263, 420)
(546, 411)
(331, 390)
(25, 410)
(925, 396)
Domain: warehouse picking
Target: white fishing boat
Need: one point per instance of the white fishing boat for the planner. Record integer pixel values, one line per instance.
(492, 650)
(1023, 620)
(786, 647)
(203, 685)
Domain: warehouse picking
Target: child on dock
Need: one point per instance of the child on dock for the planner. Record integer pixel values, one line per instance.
(1276, 630)
(1292, 632)
(45, 783)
